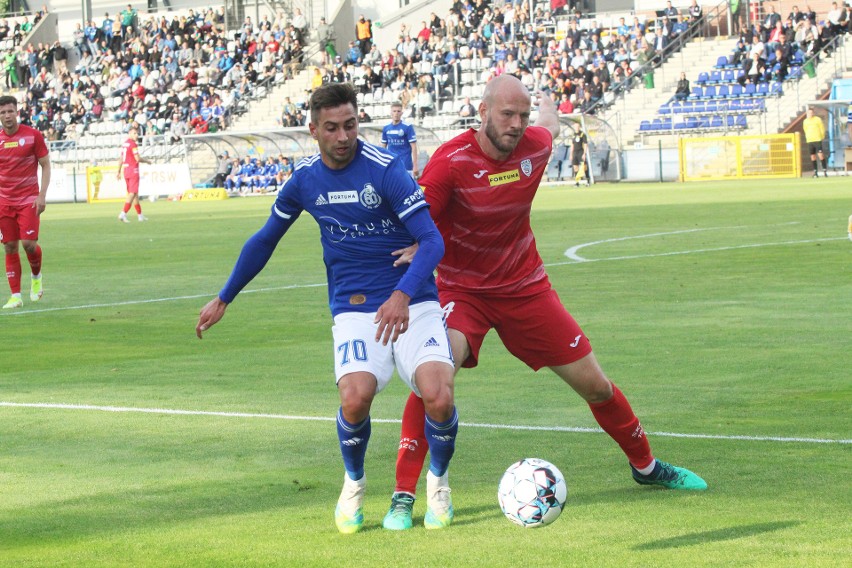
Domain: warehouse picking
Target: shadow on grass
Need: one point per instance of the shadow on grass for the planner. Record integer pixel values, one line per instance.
(136, 509)
(730, 533)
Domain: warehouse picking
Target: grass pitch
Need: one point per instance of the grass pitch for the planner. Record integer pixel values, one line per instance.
(722, 310)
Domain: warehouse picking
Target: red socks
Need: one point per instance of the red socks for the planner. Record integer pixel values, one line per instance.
(138, 208)
(617, 419)
(413, 446)
(13, 272)
(614, 415)
(35, 261)
(126, 207)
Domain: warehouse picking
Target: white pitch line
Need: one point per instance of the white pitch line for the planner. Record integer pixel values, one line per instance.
(154, 300)
(578, 260)
(179, 412)
(581, 260)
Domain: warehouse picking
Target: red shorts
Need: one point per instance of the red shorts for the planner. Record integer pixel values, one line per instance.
(132, 184)
(536, 329)
(18, 222)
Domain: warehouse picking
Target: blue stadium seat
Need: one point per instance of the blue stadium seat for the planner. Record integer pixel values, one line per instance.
(736, 90)
(709, 92)
(665, 109)
(762, 89)
(716, 122)
(656, 124)
(750, 90)
(776, 89)
(710, 106)
(730, 120)
(645, 126)
(722, 62)
(696, 93)
(741, 121)
(685, 106)
(693, 107)
(722, 92)
(735, 105)
(715, 77)
(794, 73)
(728, 76)
(702, 78)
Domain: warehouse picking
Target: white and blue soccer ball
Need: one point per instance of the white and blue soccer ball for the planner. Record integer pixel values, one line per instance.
(532, 493)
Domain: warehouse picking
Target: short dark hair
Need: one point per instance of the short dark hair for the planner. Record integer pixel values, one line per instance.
(330, 96)
(8, 100)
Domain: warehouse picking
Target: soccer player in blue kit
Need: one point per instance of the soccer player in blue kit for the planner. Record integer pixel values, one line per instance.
(366, 206)
(401, 140)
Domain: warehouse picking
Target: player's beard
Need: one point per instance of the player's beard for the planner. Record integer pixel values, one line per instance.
(499, 142)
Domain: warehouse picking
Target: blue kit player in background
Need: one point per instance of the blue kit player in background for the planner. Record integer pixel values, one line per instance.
(401, 140)
(385, 317)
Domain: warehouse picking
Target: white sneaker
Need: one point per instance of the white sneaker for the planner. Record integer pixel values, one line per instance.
(348, 516)
(439, 503)
(143, 217)
(123, 218)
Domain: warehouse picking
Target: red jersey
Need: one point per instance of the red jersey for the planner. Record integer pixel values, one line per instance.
(19, 156)
(130, 158)
(482, 208)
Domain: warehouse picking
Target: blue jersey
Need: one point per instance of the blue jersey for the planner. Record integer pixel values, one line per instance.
(361, 211)
(398, 138)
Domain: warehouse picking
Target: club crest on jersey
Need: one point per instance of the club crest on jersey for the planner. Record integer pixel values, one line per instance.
(526, 167)
(369, 198)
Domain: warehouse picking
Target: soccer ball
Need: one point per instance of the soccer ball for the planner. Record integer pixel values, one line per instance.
(532, 493)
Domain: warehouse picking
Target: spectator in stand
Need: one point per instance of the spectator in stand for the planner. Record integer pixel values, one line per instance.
(682, 90)
(363, 117)
(354, 55)
(565, 105)
(671, 12)
(770, 20)
(467, 114)
(696, 13)
(363, 34)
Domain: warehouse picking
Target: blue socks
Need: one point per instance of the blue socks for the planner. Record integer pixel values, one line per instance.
(441, 437)
(353, 444)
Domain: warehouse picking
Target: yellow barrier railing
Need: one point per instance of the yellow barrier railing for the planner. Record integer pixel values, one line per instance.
(740, 157)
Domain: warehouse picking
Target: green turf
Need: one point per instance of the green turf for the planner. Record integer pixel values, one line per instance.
(720, 309)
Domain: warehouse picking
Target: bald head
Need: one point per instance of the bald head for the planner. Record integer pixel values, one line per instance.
(505, 87)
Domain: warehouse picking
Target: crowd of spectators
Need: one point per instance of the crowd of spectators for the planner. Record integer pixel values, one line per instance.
(183, 73)
(771, 46)
(171, 75)
(425, 65)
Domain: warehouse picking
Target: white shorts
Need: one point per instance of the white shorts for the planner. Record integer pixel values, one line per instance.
(356, 348)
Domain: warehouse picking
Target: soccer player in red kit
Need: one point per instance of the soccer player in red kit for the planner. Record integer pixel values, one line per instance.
(22, 151)
(129, 164)
(480, 186)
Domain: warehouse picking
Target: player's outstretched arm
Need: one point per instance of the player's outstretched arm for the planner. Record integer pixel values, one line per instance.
(548, 117)
(254, 256)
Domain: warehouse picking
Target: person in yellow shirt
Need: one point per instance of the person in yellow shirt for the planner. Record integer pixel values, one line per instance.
(814, 135)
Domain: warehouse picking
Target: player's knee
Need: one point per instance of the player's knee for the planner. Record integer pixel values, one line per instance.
(440, 407)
